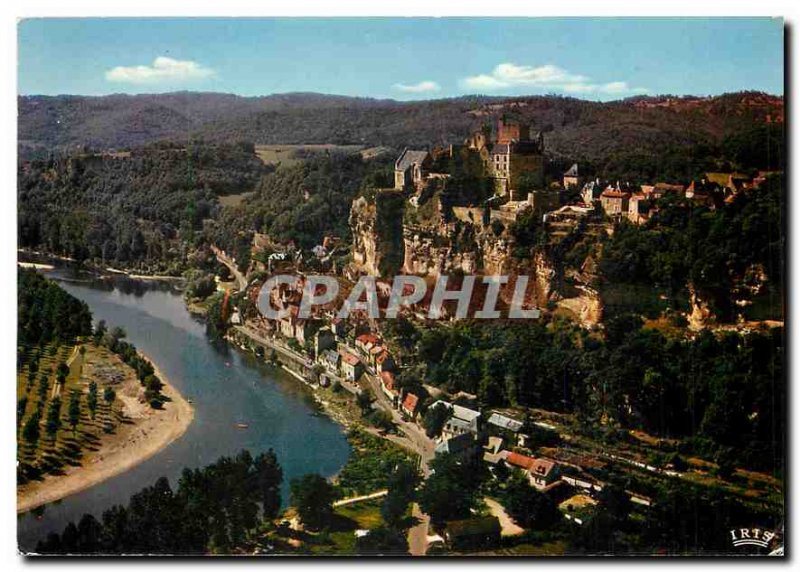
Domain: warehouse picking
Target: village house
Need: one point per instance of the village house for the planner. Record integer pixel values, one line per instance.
(493, 450)
(384, 362)
(409, 405)
(351, 366)
(570, 179)
(411, 168)
(543, 473)
(520, 461)
(323, 340)
(660, 190)
(388, 387)
(639, 208)
(462, 420)
(540, 472)
(501, 423)
(365, 342)
(591, 192)
(460, 446)
(330, 360)
(374, 353)
(614, 202)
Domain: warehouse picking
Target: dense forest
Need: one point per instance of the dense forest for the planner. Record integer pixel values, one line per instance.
(46, 313)
(642, 136)
(213, 510)
(721, 393)
(736, 251)
(129, 210)
(302, 203)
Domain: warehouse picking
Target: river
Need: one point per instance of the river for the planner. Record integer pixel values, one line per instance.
(226, 387)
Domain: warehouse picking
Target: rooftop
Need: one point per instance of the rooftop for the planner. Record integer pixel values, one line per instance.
(522, 461)
(409, 158)
(459, 411)
(504, 422)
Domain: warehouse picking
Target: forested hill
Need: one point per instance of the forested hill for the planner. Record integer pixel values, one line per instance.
(649, 129)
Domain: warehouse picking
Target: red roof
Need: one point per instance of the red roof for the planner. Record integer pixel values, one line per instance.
(522, 461)
(614, 194)
(542, 467)
(410, 402)
(350, 358)
(387, 379)
(368, 339)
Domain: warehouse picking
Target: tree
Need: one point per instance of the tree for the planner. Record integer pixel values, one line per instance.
(402, 484)
(435, 419)
(383, 541)
(74, 410)
(269, 477)
(91, 399)
(22, 404)
(382, 420)
(43, 388)
(313, 496)
(99, 332)
(528, 507)
(53, 421)
(109, 395)
(453, 488)
(364, 401)
(30, 432)
(615, 502)
(62, 371)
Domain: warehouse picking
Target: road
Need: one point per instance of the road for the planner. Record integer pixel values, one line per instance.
(241, 281)
(418, 534)
(424, 447)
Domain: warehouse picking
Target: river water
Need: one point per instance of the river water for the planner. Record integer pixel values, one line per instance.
(226, 387)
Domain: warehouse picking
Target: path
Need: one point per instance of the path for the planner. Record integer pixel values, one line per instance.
(507, 525)
(241, 281)
(352, 500)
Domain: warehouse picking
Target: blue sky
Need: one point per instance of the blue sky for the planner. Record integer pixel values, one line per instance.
(592, 58)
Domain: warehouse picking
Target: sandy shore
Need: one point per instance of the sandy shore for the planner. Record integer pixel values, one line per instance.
(146, 437)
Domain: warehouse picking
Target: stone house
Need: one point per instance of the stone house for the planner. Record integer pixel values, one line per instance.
(411, 168)
(351, 366)
(614, 202)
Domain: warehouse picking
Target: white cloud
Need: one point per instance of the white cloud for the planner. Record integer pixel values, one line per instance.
(163, 69)
(546, 77)
(421, 87)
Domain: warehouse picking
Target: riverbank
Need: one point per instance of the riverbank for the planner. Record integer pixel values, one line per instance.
(152, 430)
(95, 269)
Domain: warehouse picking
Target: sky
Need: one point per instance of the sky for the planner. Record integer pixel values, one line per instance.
(402, 58)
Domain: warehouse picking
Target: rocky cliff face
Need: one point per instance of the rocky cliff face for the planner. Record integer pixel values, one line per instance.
(383, 245)
(700, 315)
(377, 228)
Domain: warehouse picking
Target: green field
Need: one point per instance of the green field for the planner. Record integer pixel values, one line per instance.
(285, 155)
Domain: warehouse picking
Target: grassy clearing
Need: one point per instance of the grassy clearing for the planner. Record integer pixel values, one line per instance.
(371, 463)
(285, 155)
(340, 538)
(234, 200)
